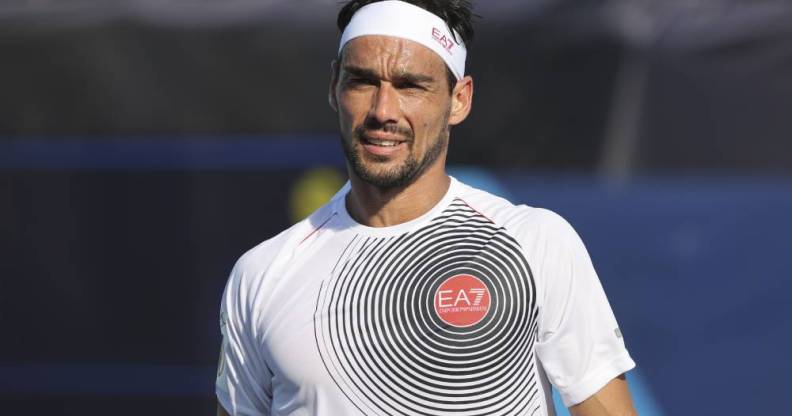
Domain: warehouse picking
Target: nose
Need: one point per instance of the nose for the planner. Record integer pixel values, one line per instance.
(385, 107)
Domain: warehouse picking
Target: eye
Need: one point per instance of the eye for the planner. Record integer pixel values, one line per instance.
(409, 85)
(360, 81)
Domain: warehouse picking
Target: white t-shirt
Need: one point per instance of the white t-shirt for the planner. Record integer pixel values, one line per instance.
(471, 309)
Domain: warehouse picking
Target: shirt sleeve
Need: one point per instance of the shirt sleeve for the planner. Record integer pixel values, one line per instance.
(579, 345)
(243, 385)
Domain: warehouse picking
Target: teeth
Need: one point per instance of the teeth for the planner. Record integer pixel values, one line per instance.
(386, 143)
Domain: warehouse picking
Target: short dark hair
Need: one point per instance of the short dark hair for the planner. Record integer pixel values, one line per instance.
(457, 14)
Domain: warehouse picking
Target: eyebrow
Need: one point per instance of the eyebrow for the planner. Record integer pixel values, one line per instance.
(403, 77)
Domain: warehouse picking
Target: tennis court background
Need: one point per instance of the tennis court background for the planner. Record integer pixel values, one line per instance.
(144, 146)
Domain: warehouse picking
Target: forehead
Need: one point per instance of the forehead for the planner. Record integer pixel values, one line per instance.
(387, 53)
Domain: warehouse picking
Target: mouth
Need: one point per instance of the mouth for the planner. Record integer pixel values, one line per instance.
(381, 138)
(382, 144)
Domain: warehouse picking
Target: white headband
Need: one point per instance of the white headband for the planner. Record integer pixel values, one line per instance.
(404, 20)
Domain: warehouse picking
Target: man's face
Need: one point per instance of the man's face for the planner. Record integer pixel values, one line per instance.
(393, 106)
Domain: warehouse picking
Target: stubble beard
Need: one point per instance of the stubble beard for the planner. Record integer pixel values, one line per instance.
(397, 176)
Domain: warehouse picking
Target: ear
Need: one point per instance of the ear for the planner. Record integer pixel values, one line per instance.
(461, 100)
(331, 97)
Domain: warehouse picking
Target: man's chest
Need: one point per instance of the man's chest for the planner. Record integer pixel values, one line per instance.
(409, 324)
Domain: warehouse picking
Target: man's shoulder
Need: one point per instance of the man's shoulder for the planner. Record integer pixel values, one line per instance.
(279, 248)
(543, 235)
(263, 254)
(510, 216)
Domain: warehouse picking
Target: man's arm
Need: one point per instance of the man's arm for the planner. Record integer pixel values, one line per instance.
(612, 400)
(221, 411)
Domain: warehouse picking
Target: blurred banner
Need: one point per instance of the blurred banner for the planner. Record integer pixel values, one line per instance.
(145, 145)
(607, 86)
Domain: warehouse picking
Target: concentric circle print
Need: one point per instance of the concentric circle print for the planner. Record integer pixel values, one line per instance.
(441, 320)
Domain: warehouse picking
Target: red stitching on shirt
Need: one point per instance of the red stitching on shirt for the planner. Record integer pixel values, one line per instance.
(477, 211)
(317, 229)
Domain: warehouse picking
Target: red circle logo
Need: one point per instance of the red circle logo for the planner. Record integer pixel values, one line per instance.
(462, 300)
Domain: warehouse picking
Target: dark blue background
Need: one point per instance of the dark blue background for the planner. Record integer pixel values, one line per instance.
(111, 274)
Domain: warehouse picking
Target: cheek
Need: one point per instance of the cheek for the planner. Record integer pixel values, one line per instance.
(430, 108)
(354, 102)
(428, 124)
(346, 117)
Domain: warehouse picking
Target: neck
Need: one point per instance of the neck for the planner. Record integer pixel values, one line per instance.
(378, 207)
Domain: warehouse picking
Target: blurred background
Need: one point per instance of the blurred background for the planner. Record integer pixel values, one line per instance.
(145, 145)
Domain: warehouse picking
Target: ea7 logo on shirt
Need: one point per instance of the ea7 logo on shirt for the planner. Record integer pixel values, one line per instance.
(445, 41)
(462, 300)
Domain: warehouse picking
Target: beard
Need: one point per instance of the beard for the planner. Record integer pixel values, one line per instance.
(397, 176)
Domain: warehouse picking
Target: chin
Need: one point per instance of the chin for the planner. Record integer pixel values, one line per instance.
(374, 161)
(377, 175)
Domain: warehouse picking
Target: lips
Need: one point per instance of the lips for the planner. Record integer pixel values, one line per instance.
(382, 139)
(382, 144)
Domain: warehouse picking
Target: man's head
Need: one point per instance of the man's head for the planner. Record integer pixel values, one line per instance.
(396, 97)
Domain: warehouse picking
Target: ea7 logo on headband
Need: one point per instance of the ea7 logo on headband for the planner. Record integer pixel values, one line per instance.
(446, 42)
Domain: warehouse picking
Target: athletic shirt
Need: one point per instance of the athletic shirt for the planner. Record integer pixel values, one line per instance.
(474, 308)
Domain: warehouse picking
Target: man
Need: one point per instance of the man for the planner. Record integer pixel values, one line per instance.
(411, 293)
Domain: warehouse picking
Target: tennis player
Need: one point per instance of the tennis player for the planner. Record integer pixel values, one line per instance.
(410, 292)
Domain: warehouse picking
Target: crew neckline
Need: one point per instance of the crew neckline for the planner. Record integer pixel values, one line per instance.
(349, 223)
